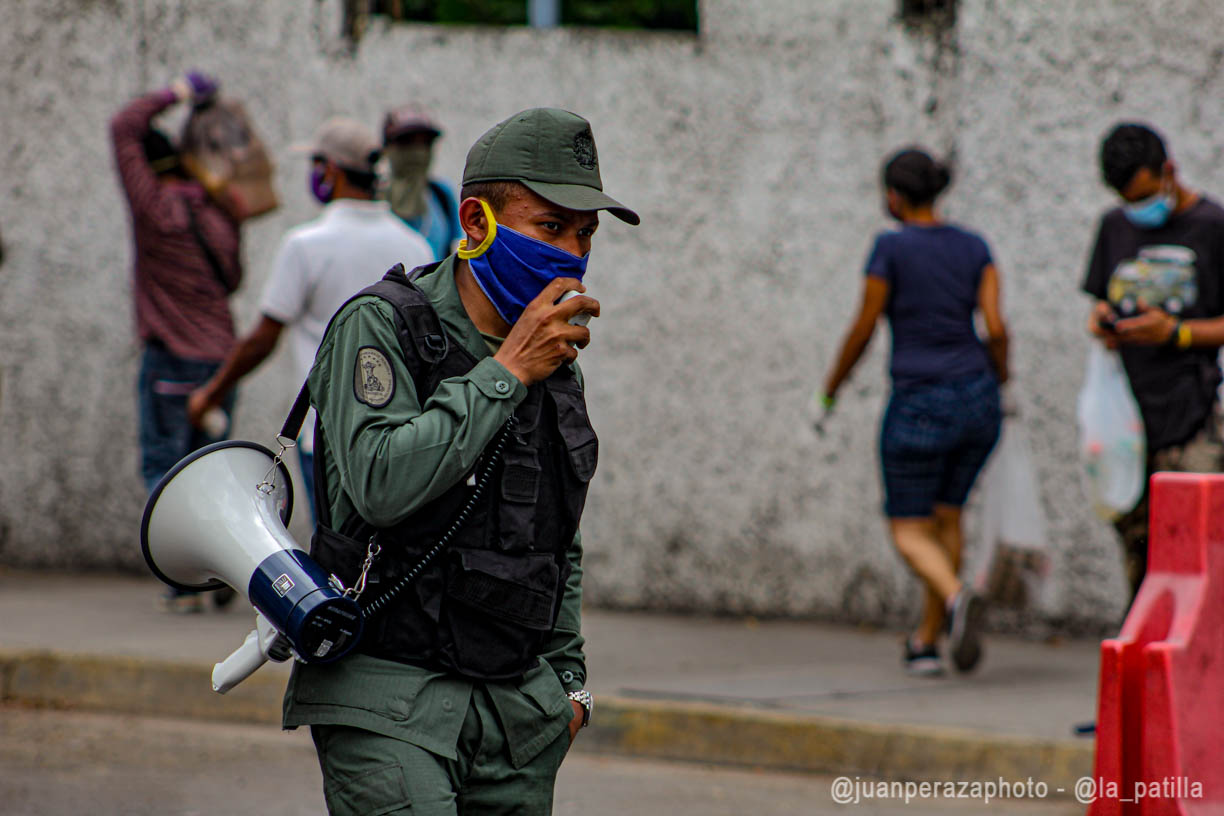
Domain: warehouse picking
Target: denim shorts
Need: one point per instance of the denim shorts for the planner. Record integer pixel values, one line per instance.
(934, 440)
(166, 436)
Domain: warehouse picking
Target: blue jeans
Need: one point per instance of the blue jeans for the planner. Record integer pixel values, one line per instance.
(166, 436)
(307, 461)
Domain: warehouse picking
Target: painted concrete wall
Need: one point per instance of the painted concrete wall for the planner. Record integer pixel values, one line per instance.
(752, 153)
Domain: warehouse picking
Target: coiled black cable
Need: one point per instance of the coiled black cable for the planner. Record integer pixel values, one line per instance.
(482, 484)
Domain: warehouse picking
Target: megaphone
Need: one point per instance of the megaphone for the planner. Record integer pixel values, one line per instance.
(219, 517)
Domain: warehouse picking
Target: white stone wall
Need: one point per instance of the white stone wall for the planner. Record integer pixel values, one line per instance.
(752, 152)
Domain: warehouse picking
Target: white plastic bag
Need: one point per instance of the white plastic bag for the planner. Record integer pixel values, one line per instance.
(1015, 559)
(1112, 442)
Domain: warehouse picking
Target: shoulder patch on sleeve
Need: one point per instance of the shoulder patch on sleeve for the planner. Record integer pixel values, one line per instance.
(373, 377)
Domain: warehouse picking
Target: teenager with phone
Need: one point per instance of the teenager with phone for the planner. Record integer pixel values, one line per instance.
(1157, 277)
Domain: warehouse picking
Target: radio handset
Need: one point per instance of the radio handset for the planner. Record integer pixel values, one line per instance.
(580, 319)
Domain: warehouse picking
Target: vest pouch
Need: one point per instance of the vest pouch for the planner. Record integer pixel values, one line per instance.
(337, 554)
(520, 489)
(576, 430)
(497, 611)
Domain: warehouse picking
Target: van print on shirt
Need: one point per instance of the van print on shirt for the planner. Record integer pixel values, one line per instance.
(1163, 276)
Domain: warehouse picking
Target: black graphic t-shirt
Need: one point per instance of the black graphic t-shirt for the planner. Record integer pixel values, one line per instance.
(1179, 268)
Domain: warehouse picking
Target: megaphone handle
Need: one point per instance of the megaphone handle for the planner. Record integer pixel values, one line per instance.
(240, 665)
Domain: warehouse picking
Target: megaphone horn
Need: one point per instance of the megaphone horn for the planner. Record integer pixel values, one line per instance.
(219, 517)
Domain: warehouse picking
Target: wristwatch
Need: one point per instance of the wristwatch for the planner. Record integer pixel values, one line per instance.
(583, 698)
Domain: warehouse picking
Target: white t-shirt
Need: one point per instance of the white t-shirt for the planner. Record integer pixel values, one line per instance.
(323, 263)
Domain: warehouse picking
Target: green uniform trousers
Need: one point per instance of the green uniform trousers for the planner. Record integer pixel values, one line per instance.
(368, 774)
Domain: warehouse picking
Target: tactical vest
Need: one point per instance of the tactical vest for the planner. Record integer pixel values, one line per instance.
(486, 605)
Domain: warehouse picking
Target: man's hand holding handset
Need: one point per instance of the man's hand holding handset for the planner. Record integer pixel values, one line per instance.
(549, 332)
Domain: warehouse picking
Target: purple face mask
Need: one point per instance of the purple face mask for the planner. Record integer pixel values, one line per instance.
(319, 186)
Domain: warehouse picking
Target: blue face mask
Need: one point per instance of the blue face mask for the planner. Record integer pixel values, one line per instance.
(1152, 212)
(512, 268)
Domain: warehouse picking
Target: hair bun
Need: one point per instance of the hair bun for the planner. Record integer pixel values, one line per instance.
(916, 176)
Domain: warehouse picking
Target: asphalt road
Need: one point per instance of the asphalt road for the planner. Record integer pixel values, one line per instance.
(56, 763)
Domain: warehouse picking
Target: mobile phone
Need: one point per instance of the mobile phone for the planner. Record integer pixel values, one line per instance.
(1109, 324)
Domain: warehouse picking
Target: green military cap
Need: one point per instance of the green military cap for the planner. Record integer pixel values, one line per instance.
(550, 152)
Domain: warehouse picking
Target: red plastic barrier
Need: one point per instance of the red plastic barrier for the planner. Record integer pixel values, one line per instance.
(1160, 709)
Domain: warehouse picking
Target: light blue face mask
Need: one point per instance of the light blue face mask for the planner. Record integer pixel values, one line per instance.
(1152, 212)
(512, 268)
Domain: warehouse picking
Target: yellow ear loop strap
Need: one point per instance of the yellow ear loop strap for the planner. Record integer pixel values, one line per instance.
(466, 253)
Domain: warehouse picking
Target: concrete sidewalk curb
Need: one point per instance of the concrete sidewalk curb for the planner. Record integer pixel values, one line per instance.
(800, 742)
(695, 732)
(137, 686)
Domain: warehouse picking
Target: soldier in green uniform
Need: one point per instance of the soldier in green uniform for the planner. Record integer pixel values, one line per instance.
(452, 424)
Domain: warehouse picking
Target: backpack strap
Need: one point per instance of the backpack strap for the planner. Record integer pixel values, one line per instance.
(422, 338)
(322, 508)
(214, 263)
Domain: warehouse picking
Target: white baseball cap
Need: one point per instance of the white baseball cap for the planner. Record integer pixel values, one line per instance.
(346, 142)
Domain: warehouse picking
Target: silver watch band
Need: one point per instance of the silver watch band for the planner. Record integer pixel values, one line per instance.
(583, 698)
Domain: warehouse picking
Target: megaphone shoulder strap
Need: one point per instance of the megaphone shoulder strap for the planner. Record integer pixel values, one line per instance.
(297, 414)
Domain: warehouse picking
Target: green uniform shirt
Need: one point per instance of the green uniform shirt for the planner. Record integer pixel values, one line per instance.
(389, 454)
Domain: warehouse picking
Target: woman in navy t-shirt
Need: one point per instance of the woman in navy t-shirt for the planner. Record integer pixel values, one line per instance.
(929, 277)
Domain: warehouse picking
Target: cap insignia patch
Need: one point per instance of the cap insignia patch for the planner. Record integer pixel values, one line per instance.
(373, 377)
(584, 149)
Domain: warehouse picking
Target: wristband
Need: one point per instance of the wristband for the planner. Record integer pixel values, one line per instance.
(1184, 337)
